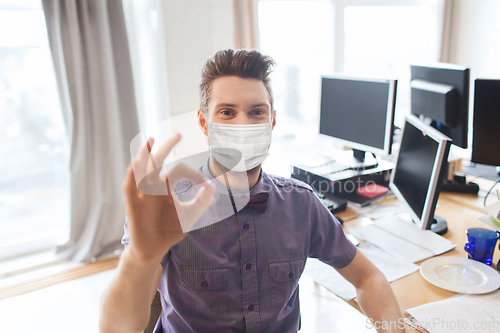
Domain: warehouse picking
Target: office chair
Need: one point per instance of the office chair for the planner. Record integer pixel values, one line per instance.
(154, 313)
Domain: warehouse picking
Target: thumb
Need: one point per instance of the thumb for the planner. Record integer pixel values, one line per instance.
(204, 197)
(190, 212)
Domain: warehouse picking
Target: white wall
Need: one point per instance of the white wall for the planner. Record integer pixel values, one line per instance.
(475, 40)
(194, 30)
(475, 43)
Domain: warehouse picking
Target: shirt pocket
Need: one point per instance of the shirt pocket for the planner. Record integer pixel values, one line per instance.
(284, 276)
(206, 288)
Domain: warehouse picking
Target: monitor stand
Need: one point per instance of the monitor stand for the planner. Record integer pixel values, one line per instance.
(481, 170)
(459, 184)
(439, 225)
(360, 161)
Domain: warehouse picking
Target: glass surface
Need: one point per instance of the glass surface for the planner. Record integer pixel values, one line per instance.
(34, 168)
(413, 169)
(452, 75)
(486, 134)
(355, 110)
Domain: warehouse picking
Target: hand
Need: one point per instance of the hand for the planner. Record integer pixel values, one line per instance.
(157, 220)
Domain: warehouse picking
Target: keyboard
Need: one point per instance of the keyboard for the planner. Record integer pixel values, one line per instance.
(334, 204)
(328, 168)
(335, 167)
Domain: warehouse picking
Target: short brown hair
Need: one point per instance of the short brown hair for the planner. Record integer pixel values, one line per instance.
(240, 63)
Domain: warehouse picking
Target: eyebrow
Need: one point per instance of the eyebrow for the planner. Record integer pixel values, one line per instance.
(225, 105)
(260, 104)
(229, 105)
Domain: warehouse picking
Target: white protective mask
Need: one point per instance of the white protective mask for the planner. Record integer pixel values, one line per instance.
(239, 147)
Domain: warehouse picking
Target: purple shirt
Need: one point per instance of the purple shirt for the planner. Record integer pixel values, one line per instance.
(241, 274)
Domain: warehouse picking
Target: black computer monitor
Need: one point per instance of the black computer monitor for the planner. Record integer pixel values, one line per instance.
(415, 179)
(486, 122)
(358, 112)
(440, 94)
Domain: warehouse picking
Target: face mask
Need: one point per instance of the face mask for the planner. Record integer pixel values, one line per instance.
(239, 147)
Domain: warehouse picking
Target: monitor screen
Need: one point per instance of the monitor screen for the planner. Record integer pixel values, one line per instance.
(414, 179)
(440, 93)
(486, 132)
(358, 112)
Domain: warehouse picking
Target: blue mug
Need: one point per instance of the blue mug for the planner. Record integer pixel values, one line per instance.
(481, 244)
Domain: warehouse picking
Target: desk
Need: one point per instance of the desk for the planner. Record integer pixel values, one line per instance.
(461, 211)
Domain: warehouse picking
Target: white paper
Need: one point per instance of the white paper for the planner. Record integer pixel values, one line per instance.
(387, 207)
(391, 243)
(493, 210)
(461, 313)
(329, 278)
(409, 232)
(490, 221)
(403, 239)
(392, 267)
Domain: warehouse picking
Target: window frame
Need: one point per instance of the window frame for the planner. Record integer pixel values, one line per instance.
(39, 242)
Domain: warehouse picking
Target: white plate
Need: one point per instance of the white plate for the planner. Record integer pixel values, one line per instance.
(460, 275)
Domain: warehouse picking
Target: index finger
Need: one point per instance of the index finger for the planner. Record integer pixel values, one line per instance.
(144, 158)
(164, 150)
(182, 171)
(140, 161)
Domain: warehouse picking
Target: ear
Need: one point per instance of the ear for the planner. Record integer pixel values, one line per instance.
(202, 122)
(274, 119)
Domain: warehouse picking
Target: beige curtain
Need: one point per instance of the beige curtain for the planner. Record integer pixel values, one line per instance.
(246, 33)
(91, 58)
(447, 31)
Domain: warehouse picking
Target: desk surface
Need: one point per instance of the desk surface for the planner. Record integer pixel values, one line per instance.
(461, 211)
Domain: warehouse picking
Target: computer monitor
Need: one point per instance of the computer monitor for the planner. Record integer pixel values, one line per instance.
(486, 120)
(419, 167)
(359, 113)
(440, 94)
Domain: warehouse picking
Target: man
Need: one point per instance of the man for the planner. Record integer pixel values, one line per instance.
(240, 274)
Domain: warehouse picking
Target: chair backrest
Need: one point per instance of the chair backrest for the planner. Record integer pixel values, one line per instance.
(154, 313)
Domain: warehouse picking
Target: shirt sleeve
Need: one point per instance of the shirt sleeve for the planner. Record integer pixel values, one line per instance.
(328, 241)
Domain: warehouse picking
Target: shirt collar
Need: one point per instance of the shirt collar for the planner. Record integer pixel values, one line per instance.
(221, 189)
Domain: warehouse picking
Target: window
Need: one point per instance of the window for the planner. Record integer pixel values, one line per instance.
(34, 173)
(378, 38)
(145, 30)
(299, 36)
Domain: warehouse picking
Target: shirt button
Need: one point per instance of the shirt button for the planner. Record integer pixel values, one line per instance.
(250, 307)
(248, 266)
(204, 284)
(246, 226)
(290, 275)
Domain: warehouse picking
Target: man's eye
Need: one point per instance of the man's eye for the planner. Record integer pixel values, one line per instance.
(226, 112)
(258, 112)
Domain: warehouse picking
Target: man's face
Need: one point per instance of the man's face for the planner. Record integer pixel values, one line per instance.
(235, 100)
